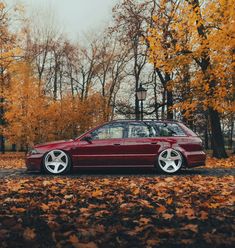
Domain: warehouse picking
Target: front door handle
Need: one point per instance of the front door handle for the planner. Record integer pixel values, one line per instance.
(153, 143)
(116, 144)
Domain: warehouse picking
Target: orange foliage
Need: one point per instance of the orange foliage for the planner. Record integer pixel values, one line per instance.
(176, 47)
(34, 118)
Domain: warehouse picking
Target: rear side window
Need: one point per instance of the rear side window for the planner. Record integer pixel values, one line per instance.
(147, 129)
(168, 129)
(140, 130)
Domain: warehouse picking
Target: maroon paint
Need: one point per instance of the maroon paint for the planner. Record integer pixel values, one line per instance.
(126, 152)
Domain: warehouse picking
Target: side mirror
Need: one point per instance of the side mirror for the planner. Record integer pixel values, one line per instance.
(88, 138)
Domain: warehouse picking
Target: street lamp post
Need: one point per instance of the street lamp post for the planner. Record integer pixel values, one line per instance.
(141, 95)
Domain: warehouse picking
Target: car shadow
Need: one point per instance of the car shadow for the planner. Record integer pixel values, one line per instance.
(146, 172)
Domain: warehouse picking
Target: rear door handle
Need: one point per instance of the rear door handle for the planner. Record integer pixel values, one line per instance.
(153, 143)
(116, 144)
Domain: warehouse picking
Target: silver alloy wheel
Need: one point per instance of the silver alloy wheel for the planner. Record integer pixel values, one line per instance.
(170, 160)
(56, 161)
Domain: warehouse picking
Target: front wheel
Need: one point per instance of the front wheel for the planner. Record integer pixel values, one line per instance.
(56, 162)
(169, 161)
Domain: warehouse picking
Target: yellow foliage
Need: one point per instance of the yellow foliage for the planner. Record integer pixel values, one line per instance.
(178, 47)
(34, 118)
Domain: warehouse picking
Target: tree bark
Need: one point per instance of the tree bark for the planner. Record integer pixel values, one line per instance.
(169, 97)
(137, 108)
(230, 139)
(2, 139)
(163, 102)
(217, 136)
(206, 133)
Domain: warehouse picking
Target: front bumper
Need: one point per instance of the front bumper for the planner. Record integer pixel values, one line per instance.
(33, 162)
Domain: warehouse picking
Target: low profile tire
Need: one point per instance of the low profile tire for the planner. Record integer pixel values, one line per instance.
(169, 161)
(56, 162)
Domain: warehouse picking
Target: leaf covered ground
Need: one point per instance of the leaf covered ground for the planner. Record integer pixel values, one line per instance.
(117, 211)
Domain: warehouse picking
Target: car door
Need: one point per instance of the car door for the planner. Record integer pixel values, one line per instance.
(105, 148)
(141, 144)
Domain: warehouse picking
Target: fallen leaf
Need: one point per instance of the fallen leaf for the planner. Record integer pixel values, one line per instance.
(68, 197)
(167, 216)
(18, 210)
(161, 209)
(97, 193)
(186, 241)
(191, 227)
(85, 245)
(144, 221)
(29, 234)
(203, 215)
(73, 239)
(44, 207)
(153, 242)
(169, 201)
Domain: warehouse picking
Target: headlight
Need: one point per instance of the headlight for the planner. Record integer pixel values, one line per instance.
(33, 151)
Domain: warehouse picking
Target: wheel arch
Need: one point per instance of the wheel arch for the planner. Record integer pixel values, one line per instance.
(183, 154)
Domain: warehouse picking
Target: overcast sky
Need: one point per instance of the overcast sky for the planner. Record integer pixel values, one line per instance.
(74, 16)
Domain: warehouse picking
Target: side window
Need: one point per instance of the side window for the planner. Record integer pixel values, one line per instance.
(140, 130)
(110, 131)
(169, 129)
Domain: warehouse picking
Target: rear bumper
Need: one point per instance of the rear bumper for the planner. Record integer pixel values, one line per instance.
(34, 162)
(196, 158)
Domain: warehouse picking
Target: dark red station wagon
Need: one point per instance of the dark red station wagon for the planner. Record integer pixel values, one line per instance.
(165, 145)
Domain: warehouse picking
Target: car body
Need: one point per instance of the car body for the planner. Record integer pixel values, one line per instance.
(123, 143)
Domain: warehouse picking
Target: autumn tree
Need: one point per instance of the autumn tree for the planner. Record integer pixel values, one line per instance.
(129, 22)
(8, 56)
(218, 86)
(24, 108)
(201, 56)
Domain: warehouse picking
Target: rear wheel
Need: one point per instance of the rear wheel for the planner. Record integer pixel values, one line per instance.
(169, 161)
(56, 162)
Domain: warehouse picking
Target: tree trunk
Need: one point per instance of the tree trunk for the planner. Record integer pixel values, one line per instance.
(155, 94)
(163, 102)
(231, 134)
(13, 147)
(137, 108)
(206, 133)
(2, 139)
(169, 97)
(217, 136)
(206, 138)
(55, 87)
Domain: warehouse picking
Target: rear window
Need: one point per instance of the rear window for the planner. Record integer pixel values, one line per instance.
(188, 131)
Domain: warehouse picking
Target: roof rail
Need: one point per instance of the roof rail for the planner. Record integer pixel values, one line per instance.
(146, 120)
